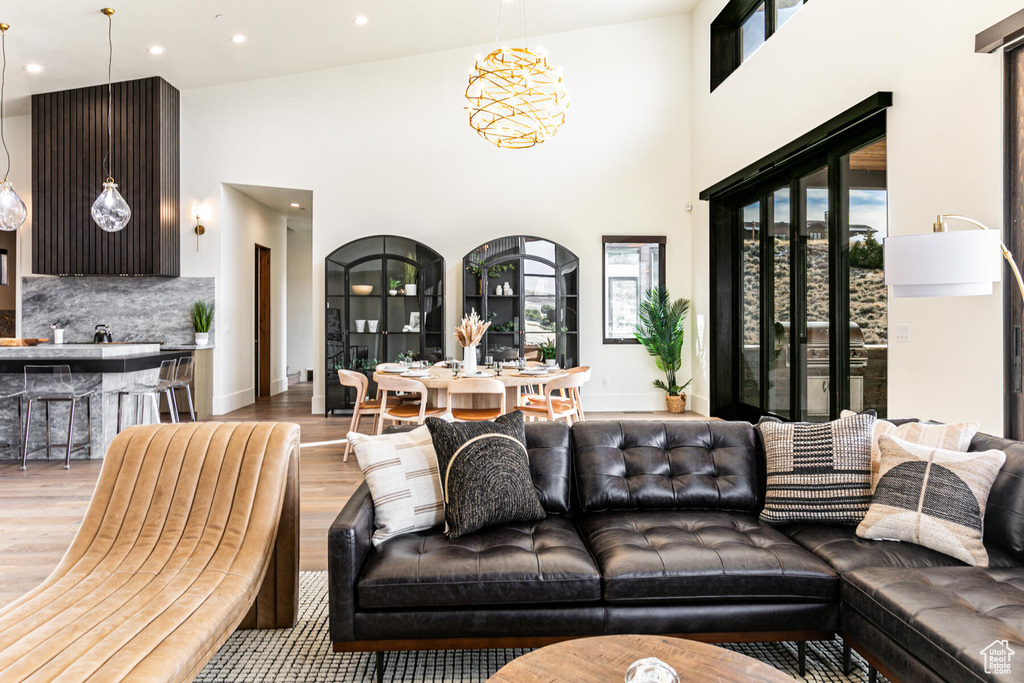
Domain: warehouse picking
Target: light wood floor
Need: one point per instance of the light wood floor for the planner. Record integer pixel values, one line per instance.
(41, 509)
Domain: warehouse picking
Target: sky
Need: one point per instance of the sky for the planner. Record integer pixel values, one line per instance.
(867, 207)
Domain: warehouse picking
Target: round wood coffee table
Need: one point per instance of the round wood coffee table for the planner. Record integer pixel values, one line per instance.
(605, 660)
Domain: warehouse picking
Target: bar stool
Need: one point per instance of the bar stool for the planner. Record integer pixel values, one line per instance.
(48, 383)
(17, 392)
(362, 406)
(182, 378)
(142, 392)
(404, 412)
(471, 386)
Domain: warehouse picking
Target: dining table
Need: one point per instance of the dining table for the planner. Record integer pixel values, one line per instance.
(439, 377)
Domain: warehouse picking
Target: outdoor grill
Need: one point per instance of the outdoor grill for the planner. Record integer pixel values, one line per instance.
(817, 344)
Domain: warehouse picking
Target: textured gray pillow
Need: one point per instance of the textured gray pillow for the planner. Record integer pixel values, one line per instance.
(818, 472)
(485, 473)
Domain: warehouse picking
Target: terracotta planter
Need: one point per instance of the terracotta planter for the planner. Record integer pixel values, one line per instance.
(676, 404)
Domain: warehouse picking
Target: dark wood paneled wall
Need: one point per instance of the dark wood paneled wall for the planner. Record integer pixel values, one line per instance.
(69, 141)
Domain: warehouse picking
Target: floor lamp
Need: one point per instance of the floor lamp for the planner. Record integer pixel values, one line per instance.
(943, 263)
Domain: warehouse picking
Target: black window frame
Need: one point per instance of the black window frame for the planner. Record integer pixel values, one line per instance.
(660, 240)
(727, 39)
(823, 146)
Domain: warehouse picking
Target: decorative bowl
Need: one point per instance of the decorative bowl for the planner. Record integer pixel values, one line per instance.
(22, 342)
(362, 290)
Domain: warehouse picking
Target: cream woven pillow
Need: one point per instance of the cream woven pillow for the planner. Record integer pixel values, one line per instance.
(401, 471)
(946, 437)
(932, 497)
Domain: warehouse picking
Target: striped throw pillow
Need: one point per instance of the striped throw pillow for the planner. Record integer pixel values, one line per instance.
(817, 472)
(401, 471)
(947, 437)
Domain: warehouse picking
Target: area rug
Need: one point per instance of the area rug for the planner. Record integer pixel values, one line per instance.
(304, 654)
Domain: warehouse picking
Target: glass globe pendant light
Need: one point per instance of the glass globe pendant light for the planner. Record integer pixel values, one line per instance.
(12, 210)
(110, 211)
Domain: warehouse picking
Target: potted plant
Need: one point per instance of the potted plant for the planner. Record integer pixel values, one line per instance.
(393, 285)
(492, 272)
(411, 274)
(661, 329)
(548, 351)
(202, 321)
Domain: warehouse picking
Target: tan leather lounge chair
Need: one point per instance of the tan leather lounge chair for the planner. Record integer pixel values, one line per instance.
(192, 532)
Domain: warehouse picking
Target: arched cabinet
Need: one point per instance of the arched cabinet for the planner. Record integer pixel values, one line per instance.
(384, 302)
(535, 313)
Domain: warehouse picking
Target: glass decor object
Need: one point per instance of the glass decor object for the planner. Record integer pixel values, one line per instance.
(12, 210)
(651, 670)
(110, 211)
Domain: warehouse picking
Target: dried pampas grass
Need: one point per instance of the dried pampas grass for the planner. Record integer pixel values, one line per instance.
(472, 329)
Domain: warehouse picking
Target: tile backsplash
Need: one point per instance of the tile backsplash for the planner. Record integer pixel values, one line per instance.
(136, 308)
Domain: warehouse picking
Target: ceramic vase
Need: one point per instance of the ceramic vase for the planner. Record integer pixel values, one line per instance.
(58, 335)
(469, 360)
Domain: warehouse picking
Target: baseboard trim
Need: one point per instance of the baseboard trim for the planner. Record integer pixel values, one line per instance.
(700, 404)
(223, 405)
(278, 385)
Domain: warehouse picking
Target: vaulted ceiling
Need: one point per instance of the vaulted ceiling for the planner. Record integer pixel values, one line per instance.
(68, 38)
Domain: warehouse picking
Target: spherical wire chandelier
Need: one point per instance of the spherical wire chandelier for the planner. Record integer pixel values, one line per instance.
(516, 98)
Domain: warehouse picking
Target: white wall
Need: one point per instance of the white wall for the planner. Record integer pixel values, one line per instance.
(386, 148)
(249, 223)
(945, 155)
(300, 301)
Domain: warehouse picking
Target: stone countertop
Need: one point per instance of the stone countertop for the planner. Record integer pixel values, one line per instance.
(50, 351)
(186, 347)
(87, 358)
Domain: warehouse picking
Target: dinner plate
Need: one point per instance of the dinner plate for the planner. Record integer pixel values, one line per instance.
(419, 374)
(394, 369)
(534, 373)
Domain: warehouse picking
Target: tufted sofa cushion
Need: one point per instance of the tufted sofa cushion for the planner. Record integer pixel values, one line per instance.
(525, 563)
(667, 465)
(944, 616)
(702, 556)
(845, 551)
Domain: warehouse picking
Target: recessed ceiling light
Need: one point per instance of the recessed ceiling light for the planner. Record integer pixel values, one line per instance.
(361, 20)
(33, 68)
(239, 38)
(294, 205)
(156, 50)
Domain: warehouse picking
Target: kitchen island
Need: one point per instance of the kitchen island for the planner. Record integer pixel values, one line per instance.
(99, 369)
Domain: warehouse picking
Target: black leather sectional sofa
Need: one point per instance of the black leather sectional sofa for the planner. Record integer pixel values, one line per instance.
(653, 528)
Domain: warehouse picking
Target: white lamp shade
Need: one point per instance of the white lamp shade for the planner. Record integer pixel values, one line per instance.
(963, 263)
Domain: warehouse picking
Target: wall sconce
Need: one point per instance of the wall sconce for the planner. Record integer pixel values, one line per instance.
(201, 213)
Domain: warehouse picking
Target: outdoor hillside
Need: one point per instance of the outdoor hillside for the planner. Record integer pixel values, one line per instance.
(867, 291)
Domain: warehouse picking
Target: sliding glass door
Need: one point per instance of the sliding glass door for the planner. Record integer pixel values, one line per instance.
(812, 306)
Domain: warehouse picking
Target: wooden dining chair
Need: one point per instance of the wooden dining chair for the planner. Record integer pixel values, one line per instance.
(556, 407)
(573, 393)
(362, 405)
(393, 385)
(476, 387)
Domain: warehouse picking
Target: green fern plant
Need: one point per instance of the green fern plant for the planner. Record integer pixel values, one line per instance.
(661, 329)
(202, 316)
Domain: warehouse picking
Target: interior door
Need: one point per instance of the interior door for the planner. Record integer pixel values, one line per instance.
(262, 341)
